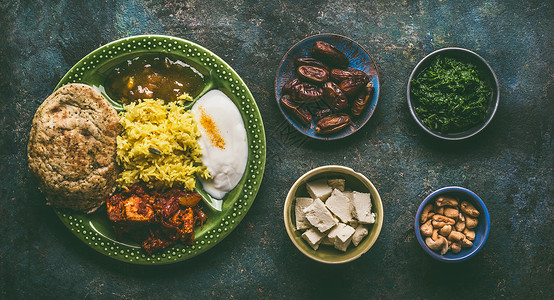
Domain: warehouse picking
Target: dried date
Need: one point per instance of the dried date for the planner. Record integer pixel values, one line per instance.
(300, 113)
(313, 74)
(338, 75)
(309, 61)
(306, 93)
(357, 72)
(334, 96)
(332, 123)
(329, 54)
(351, 86)
(287, 88)
(361, 101)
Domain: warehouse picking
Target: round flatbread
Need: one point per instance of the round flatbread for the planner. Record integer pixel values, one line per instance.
(72, 148)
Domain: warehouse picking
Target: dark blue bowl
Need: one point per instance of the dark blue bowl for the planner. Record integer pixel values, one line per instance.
(359, 59)
(481, 231)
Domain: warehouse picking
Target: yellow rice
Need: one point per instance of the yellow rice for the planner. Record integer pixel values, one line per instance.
(159, 146)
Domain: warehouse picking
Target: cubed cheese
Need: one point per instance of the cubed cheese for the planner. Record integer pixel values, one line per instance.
(342, 246)
(313, 237)
(359, 233)
(332, 235)
(345, 233)
(361, 207)
(339, 205)
(301, 221)
(318, 215)
(338, 184)
(319, 189)
(344, 237)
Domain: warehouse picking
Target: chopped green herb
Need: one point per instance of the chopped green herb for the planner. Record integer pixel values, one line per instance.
(450, 96)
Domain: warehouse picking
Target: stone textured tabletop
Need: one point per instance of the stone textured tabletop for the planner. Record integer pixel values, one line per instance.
(509, 164)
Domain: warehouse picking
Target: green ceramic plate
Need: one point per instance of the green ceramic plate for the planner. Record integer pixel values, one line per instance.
(95, 229)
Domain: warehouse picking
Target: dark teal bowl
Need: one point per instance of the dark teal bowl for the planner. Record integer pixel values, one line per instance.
(488, 74)
(481, 231)
(359, 59)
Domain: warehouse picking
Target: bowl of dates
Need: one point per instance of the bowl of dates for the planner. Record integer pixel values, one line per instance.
(327, 86)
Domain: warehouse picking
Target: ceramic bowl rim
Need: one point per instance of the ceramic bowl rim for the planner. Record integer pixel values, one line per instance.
(476, 200)
(496, 89)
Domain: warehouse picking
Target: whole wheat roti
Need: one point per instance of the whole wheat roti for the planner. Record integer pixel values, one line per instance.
(72, 148)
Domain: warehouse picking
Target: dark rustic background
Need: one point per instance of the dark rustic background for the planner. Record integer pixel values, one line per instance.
(509, 164)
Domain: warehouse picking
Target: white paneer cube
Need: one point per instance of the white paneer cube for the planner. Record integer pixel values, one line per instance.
(339, 205)
(342, 246)
(319, 189)
(359, 233)
(344, 237)
(345, 233)
(332, 235)
(318, 215)
(337, 183)
(361, 207)
(301, 221)
(313, 237)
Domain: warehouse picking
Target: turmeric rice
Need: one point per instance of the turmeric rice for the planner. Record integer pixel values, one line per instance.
(159, 146)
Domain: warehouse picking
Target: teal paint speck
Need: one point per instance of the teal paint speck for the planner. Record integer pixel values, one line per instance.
(132, 18)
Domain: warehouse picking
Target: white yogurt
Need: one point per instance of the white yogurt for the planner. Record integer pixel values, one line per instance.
(223, 142)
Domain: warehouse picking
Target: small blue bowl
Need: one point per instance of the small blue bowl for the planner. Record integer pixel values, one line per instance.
(359, 59)
(481, 231)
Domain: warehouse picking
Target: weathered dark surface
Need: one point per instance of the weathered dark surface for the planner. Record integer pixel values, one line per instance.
(509, 164)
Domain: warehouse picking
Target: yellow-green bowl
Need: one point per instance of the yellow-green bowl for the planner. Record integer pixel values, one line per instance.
(354, 181)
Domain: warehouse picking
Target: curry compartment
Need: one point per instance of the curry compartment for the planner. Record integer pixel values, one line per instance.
(153, 76)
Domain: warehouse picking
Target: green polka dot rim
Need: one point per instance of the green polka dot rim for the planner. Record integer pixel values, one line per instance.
(95, 230)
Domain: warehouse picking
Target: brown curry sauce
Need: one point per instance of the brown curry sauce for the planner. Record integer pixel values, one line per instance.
(153, 76)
